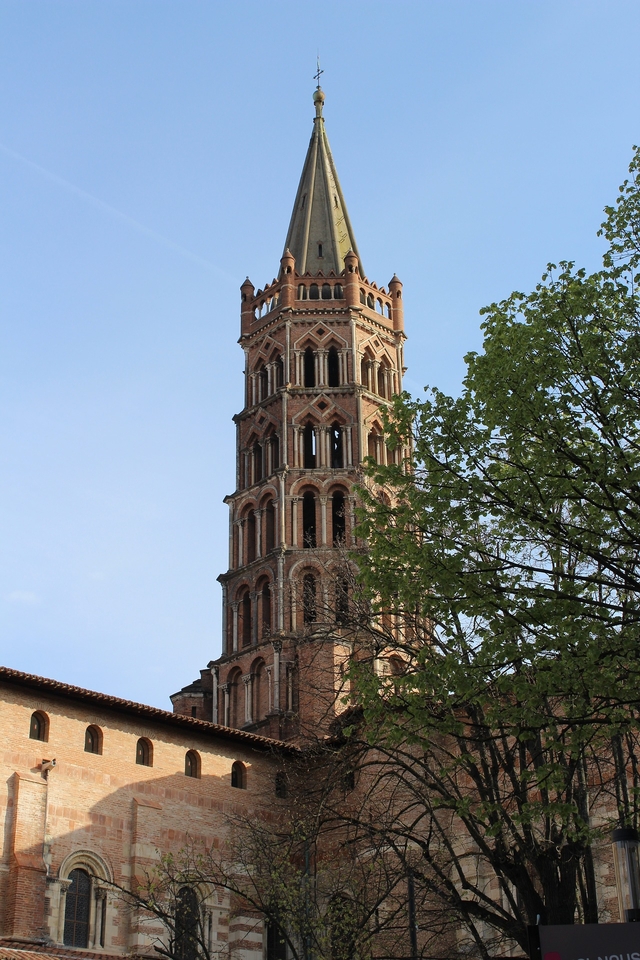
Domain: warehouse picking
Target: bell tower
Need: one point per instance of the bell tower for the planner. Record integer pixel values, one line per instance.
(323, 350)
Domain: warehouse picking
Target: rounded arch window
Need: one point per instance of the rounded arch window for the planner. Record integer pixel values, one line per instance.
(326, 291)
(370, 301)
(309, 368)
(77, 909)
(144, 752)
(192, 764)
(93, 739)
(187, 920)
(337, 292)
(309, 538)
(281, 785)
(309, 601)
(39, 726)
(239, 775)
(333, 367)
(314, 292)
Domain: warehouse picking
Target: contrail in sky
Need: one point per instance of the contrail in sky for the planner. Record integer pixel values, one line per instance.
(117, 214)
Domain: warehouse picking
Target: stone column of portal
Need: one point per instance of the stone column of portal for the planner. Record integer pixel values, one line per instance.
(64, 886)
(225, 693)
(277, 647)
(258, 516)
(294, 521)
(248, 689)
(214, 679)
(234, 636)
(254, 617)
(323, 514)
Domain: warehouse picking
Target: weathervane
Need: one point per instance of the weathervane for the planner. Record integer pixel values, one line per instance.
(318, 73)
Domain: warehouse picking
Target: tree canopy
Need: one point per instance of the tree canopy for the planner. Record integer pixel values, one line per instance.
(503, 567)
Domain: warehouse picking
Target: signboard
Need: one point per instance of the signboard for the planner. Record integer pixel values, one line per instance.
(585, 941)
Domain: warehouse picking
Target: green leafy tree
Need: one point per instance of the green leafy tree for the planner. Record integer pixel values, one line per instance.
(503, 571)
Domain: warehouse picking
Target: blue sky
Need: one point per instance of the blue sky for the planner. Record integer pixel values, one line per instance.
(149, 156)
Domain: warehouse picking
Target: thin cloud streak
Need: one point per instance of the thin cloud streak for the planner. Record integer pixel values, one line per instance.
(113, 212)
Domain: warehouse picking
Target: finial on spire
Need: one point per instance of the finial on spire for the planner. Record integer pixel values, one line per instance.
(318, 95)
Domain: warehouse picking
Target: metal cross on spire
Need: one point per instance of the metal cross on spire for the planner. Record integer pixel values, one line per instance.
(318, 73)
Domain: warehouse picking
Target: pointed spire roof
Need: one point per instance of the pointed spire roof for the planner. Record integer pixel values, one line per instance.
(320, 233)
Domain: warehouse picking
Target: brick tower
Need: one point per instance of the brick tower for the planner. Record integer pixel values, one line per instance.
(323, 353)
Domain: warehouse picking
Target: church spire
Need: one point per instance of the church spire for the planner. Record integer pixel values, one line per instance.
(320, 233)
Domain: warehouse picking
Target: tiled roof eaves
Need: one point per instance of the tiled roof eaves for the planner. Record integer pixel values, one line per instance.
(141, 710)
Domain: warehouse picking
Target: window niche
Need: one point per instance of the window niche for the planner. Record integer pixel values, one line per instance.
(39, 726)
(192, 764)
(93, 740)
(144, 752)
(239, 775)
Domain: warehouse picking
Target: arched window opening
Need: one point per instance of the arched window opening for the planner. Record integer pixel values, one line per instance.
(259, 691)
(314, 292)
(343, 928)
(338, 524)
(364, 371)
(309, 519)
(309, 368)
(39, 726)
(387, 311)
(382, 380)
(379, 306)
(397, 666)
(263, 384)
(251, 536)
(326, 291)
(93, 740)
(302, 292)
(275, 451)
(370, 301)
(236, 711)
(276, 945)
(319, 249)
(77, 909)
(342, 600)
(337, 459)
(270, 526)
(265, 603)
(372, 445)
(191, 764)
(309, 608)
(363, 298)
(239, 775)
(144, 752)
(278, 369)
(257, 462)
(281, 786)
(337, 292)
(245, 618)
(187, 923)
(309, 440)
(333, 367)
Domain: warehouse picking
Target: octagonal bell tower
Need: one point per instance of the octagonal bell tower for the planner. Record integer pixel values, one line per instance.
(323, 352)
